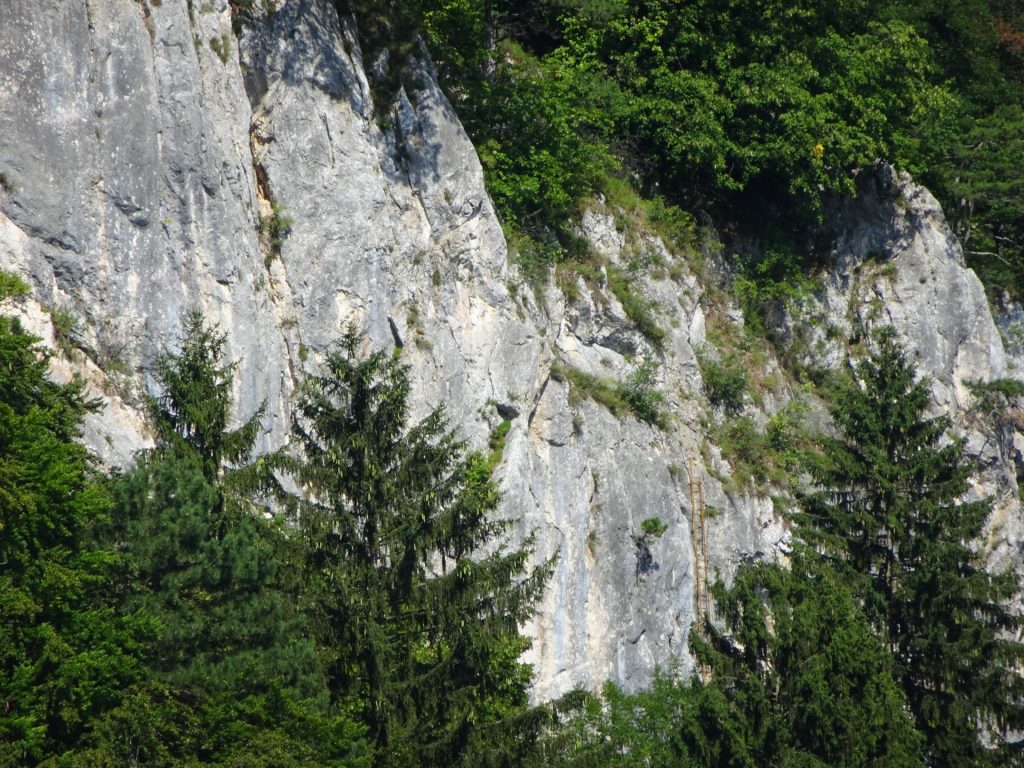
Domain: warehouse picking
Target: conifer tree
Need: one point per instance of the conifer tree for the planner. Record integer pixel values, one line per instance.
(407, 583)
(797, 678)
(805, 680)
(236, 680)
(192, 413)
(65, 652)
(209, 557)
(891, 517)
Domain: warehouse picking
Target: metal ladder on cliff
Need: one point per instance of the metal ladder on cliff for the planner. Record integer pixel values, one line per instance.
(698, 534)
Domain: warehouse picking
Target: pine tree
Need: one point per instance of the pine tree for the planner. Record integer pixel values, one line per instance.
(235, 676)
(65, 652)
(797, 678)
(406, 581)
(891, 517)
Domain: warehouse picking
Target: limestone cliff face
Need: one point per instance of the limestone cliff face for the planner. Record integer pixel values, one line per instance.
(143, 141)
(896, 263)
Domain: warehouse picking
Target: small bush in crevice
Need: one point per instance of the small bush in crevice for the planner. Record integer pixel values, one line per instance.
(653, 527)
(778, 277)
(248, 11)
(725, 384)
(274, 228)
(635, 395)
(637, 308)
(639, 393)
(996, 394)
(771, 456)
(65, 328)
(496, 443)
(12, 286)
(222, 47)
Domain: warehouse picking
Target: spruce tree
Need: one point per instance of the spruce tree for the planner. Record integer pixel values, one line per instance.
(806, 681)
(797, 678)
(890, 515)
(192, 413)
(209, 556)
(407, 582)
(235, 676)
(65, 651)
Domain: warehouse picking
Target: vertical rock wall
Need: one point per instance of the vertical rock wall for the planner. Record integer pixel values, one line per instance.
(142, 143)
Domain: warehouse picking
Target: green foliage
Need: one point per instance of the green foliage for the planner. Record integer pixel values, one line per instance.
(797, 679)
(635, 395)
(994, 397)
(746, 448)
(891, 516)
(538, 160)
(773, 455)
(214, 576)
(421, 625)
(231, 642)
(248, 11)
(672, 224)
(65, 652)
(538, 121)
(984, 192)
(12, 286)
(210, 559)
(192, 413)
(638, 309)
(976, 44)
(725, 383)
(496, 443)
(222, 47)
(639, 393)
(65, 329)
(804, 674)
(732, 106)
(653, 527)
(724, 95)
(274, 228)
(778, 277)
(383, 629)
(157, 725)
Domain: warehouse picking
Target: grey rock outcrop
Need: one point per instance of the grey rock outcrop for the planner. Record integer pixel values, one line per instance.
(897, 263)
(145, 144)
(126, 140)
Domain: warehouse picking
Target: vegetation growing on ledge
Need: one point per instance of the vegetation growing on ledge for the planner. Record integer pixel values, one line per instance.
(12, 286)
(755, 113)
(636, 395)
(274, 227)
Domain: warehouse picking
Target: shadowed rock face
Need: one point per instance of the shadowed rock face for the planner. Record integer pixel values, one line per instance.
(141, 165)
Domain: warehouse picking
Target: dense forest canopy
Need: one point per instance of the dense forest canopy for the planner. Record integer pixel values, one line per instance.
(753, 112)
